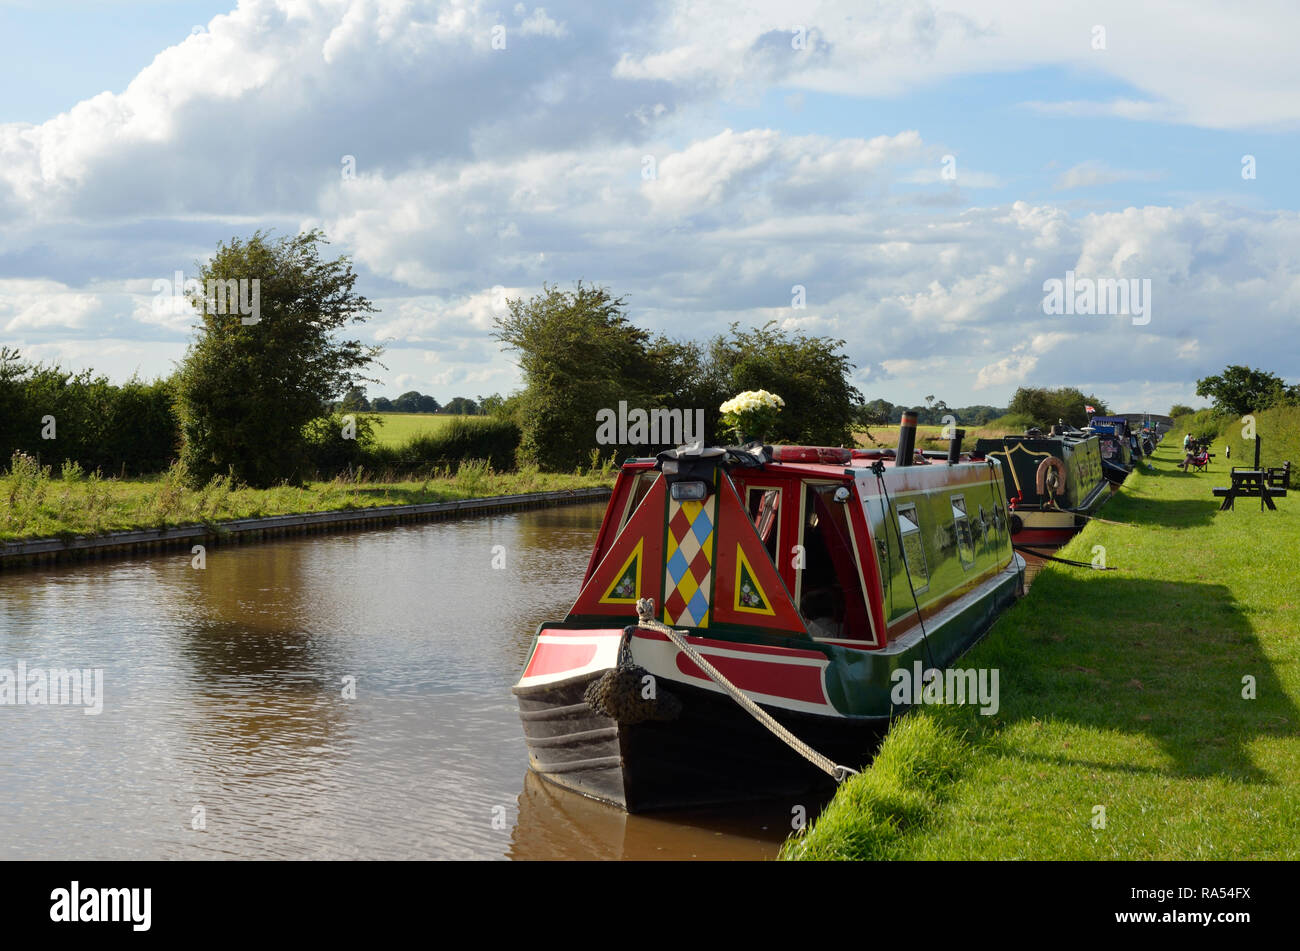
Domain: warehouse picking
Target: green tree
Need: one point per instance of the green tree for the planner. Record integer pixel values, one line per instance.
(246, 391)
(1239, 390)
(579, 354)
(461, 406)
(1048, 406)
(811, 374)
(413, 401)
(1178, 409)
(354, 400)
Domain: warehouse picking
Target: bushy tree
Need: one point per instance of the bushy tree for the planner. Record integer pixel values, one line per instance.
(1178, 409)
(413, 401)
(579, 354)
(1239, 390)
(810, 373)
(246, 391)
(461, 406)
(354, 400)
(1047, 406)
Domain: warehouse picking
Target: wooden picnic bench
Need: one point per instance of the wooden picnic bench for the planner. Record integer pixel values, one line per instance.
(1250, 484)
(1255, 483)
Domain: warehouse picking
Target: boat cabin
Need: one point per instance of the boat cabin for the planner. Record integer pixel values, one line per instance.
(793, 542)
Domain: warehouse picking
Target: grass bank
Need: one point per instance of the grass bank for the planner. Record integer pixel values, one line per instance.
(38, 503)
(1120, 691)
(1278, 429)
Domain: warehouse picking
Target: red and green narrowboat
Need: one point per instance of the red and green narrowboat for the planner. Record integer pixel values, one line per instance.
(805, 576)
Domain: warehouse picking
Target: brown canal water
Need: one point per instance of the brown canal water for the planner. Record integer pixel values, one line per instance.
(225, 731)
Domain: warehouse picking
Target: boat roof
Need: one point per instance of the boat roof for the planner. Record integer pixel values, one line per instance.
(856, 468)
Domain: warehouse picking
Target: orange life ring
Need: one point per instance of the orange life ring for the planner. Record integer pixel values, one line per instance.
(1051, 462)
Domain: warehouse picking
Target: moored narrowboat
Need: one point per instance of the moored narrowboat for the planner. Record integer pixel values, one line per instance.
(798, 579)
(1053, 482)
(1116, 457)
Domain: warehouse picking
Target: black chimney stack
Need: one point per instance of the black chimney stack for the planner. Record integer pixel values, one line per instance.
(954, 446)
(906, 440)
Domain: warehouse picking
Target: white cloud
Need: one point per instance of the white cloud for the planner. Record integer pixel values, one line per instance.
(1092, 173)
(1011, 370)
(479, 167)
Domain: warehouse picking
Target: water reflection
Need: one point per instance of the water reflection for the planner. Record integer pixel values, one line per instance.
(555, 823)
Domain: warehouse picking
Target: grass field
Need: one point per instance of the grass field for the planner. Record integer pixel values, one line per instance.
(927, 437)
(1123, 699)
(36, 506)
(394, 429)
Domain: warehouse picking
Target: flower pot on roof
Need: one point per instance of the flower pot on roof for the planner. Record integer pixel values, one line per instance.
(751, 414)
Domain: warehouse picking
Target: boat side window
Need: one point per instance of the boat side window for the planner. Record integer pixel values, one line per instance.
(830, 588)
(764, 509)
(961, 527)
(639, 490)
(909, 526)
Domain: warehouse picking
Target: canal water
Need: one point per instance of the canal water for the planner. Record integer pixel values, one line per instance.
(334, 697)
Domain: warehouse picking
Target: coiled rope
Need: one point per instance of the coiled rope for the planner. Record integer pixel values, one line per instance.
(645, 609)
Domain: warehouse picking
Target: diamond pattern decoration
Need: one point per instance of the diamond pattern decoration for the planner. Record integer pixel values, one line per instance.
(688, 580)
(700, 567)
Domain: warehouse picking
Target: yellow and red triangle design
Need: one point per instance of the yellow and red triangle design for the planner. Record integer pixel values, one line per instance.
(750, 598)
(741, 553)
(626, 586)
(638, 550)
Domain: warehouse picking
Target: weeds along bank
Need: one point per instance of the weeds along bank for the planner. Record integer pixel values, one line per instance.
(39, 501)
(1152, 712)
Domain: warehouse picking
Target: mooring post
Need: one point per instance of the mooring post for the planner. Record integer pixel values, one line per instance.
(1256, 451)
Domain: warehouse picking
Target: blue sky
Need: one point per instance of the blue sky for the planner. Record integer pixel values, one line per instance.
(129, 148)
(58, 53)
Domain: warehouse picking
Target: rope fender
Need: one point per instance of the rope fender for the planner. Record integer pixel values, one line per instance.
(1057, 485)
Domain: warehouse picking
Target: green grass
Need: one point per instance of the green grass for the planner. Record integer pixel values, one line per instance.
(1278, 429)
(1118, 689)
(38, 504)
(927, 436)
(395, 429)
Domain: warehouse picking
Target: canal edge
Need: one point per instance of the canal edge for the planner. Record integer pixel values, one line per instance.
(43, 551)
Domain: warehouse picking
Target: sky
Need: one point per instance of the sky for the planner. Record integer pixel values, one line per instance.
(909, 177)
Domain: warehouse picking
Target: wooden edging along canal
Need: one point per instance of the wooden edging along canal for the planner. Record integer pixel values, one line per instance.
(116, 544)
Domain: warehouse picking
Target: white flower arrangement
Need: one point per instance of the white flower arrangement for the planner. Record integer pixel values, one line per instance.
(750, 413)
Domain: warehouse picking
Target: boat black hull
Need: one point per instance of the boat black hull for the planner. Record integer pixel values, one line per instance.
(1115, 474)
(713, 753)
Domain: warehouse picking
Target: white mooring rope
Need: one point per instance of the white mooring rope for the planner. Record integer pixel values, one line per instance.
(645, 609)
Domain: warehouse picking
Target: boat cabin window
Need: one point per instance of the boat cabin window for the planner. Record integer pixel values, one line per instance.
(830, 586)
(909, 527)
(764, 509)
(639, 490)
(961, 528)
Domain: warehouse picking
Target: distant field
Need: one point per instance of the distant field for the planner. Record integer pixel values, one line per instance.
(396, 428)
(927, 437)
